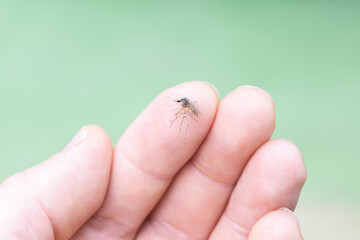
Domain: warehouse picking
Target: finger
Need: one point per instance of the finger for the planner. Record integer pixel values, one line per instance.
(53, 199)
(198, 196)
(273, 178)
(148, 156)
(277, 225)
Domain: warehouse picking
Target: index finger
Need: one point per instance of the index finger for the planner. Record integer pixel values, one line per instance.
(149, 154)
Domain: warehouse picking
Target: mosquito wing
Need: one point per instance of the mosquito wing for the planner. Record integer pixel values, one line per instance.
(194, 108)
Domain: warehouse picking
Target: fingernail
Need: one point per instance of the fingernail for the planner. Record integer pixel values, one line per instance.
(78, 138)
(213, 88)
(292, 213)
(289, 211)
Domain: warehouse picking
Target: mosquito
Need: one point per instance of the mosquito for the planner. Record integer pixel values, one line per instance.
(187, 108)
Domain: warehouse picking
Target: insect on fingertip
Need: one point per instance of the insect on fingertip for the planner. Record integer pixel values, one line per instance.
(187, 108)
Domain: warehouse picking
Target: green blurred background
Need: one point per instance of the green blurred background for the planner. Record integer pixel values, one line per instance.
(64, 64)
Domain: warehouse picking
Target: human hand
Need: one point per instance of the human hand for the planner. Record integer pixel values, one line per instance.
(226, 181)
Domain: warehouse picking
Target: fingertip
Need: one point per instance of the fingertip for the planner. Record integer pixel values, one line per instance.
(290, 158)
(213, 88)
(256, 90)
(260, 105)
(100, 141)
(250, 109)
(280, 225)
(93, 135)
(93, 150)
(92, 158)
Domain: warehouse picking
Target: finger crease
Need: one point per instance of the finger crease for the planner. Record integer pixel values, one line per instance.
(170, 228)
(213, 176)
(147, 172)
(243, 231)
(122, 231)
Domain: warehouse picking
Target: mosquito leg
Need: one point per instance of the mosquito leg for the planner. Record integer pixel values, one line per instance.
(173, 96)
(181, 123)
(172, 121)
(176, 111)
(187, 127)
(172, 99)
(191, 115)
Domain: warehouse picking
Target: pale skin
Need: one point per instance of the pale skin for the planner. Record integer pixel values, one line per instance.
(228, 181)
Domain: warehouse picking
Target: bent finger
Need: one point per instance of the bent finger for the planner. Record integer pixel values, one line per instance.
(273, 178)
(53, 199)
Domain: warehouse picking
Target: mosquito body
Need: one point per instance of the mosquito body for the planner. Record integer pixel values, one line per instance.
(187, 104)
(187, 108)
